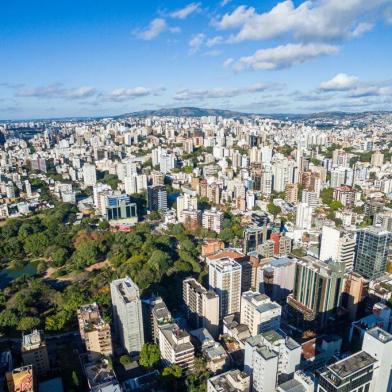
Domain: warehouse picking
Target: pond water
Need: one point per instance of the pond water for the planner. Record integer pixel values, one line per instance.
(7, 275)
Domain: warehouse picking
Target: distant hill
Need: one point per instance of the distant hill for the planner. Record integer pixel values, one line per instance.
(185, 112)
(200, 112)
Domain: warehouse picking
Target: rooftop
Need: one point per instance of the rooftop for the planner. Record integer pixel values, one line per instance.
(291, 386)
(32, 341)
(352, 364)
(380, 335)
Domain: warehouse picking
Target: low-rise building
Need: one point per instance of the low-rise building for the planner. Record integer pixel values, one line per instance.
(233, 381)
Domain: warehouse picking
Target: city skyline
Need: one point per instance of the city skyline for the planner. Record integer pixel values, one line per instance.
(89, 59)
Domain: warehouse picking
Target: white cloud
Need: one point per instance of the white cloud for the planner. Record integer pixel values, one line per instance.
(156, 27)
(228, 62)
(361, 29)
(388, 15)
(283, 56)
(354, 88)
(183, 13)
(313, 19)
(214, 41)
(223, 3)
(124, 94)
(339, 82)
(196, 42)
(81, 92)
(370, 91)
(57, 91)
(214, 93)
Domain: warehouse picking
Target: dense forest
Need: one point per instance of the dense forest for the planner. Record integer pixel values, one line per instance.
(75, 264)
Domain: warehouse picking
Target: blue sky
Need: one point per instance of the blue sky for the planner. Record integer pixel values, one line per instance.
(85, 57)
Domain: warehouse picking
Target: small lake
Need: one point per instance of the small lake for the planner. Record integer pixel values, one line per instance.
(7, 275)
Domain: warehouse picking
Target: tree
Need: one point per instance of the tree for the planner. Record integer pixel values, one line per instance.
(36, 244)
(75, 379)
(335, 205)
(226, 235)
(28, 323)
(59, 256)
(327, 195)
(197, 380)
(172, 371)
(273, 209)
(41, 267)
(86, 253)
(125, 360)
(8, 319)
(172, 378)
(149, 355)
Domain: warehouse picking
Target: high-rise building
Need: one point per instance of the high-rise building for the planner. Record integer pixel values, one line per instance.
(352, 374)
(378, 344)
(318, 289)
(304, 216)
(127, 314)
(213, 220)
(21, 379)
(291, 193)
(280, 176)
(38, 164)
(377, 159)
(89, 174)
(371, 252)
(276, 279)
(157, 198)
(28, 188)
(10, 190)
(282, 244)
(259, 313)
(94, 331)
(35, 352)
(345, 194)
(355, 289)
(157, 178)
(120, 207)
(337, 246)
(225, 279)
(135, 183)
(253, 237)
(271, 358)
(310, 198)
(202, 306)
(155, 315)
(176, 347)
(185, 202)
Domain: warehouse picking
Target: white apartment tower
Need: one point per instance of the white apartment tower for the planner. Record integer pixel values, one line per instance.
(225, 279)
(89, 174)
(378, 344)
(337, 247)
(185, 202)
(127, 314)
(270, 358)
(259, 313)
(213, 220)
(304, 216)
